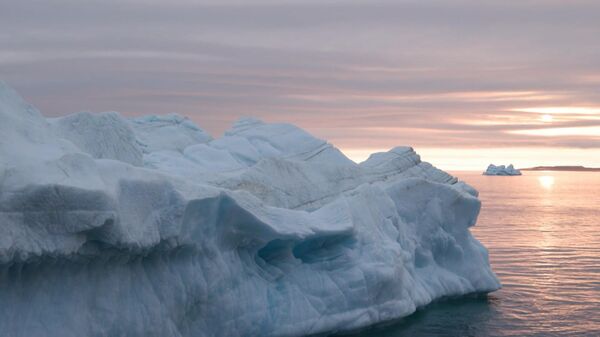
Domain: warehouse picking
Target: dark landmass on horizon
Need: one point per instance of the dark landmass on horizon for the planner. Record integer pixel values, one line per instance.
(562, 168)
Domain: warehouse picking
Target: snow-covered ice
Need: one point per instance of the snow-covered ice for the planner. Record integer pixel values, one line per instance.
(149, 227)
(501, 170)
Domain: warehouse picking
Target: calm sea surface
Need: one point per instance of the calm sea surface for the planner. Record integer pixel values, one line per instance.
(542, 230)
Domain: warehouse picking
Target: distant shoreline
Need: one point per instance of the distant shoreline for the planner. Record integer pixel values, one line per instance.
(562, 168)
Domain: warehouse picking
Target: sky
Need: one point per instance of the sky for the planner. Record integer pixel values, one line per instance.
(466, 83)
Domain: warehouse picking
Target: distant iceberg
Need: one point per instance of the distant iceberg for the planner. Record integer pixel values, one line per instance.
(501, 170)
(150, 227)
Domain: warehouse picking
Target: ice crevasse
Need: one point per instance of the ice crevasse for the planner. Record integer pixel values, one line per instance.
(112, 226)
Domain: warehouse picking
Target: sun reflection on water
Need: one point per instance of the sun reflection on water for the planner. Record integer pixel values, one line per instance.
(547, 182)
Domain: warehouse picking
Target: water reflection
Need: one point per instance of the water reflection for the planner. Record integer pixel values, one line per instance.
(469, 316)
(547, 182)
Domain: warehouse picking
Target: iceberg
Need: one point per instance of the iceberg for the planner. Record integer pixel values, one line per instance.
(501, 170)
(112, 226)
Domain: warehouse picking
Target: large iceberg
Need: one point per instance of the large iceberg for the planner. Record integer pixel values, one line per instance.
(501, 170)
(149, 227)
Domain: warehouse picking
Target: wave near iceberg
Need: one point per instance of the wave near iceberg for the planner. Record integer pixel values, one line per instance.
(148, 226)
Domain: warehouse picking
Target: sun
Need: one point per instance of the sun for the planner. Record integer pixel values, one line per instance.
(547, 118)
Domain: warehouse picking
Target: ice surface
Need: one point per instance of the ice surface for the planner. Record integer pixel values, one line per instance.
(169, 132)
(103, 135)
(501, 170)
(149, 227)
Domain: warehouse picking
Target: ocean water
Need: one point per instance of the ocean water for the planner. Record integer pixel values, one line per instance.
(542, 230)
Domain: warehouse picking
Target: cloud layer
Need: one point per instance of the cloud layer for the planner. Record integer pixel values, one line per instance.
(363, 74)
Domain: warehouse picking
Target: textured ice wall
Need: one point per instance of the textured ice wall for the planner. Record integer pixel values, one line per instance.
(266, 231)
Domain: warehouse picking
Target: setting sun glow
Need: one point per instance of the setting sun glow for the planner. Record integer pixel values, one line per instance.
(592, 131)
(561, 110)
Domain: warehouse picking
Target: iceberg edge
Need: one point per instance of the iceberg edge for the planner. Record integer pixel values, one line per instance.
(149, 226)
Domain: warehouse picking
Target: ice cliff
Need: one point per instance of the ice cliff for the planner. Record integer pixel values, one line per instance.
(149, 227)
(501, 170)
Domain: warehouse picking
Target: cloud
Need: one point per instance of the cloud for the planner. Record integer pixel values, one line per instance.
(381, 73)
